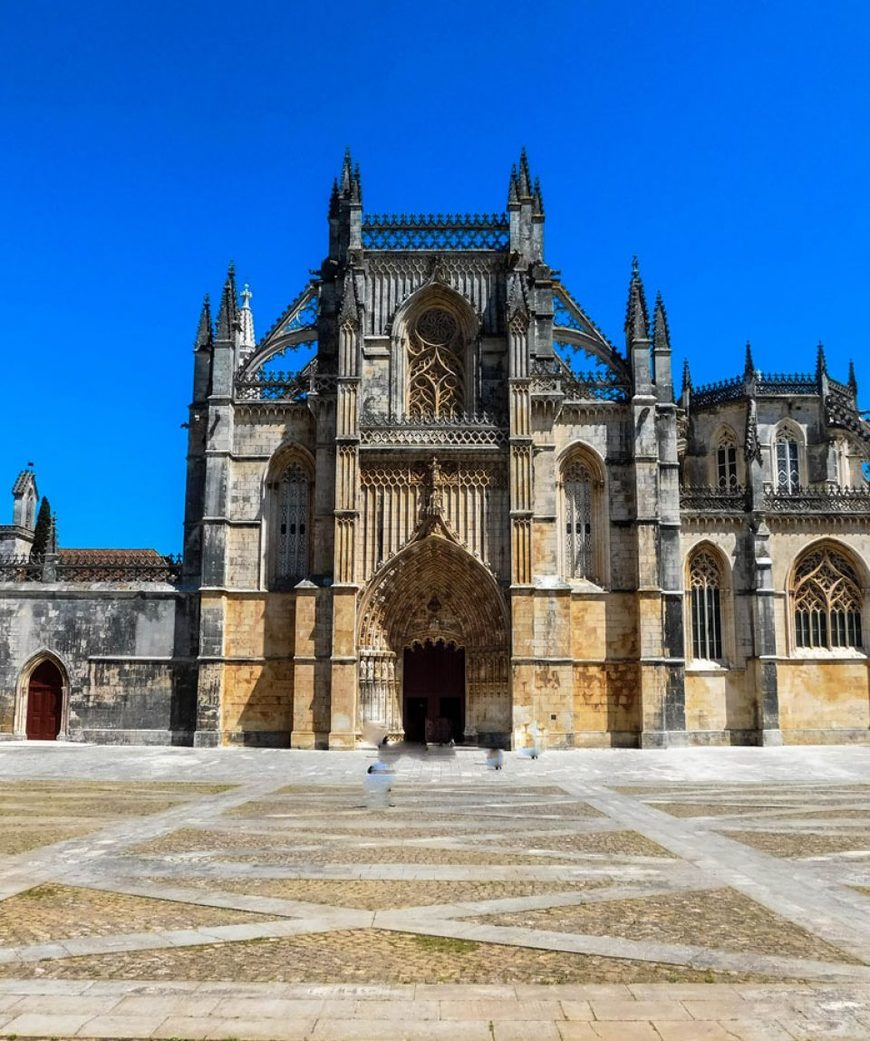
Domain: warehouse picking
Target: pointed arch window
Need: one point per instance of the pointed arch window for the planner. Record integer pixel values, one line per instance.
(578, 506)
(726, 462)
(705, 578)
(787, 462)
(291, 541)
(827, 602)
(436, 374)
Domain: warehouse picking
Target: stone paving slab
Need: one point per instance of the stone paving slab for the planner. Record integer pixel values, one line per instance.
(200, 980)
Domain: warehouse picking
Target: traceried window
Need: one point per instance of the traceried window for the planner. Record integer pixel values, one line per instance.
(726, 462)
(705, 581)
(787, 468)
(827, 602)
(292, 520)
(577, 490)
(436, 376)
(841, 457)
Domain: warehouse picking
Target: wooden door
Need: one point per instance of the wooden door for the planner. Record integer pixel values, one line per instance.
(44, 700)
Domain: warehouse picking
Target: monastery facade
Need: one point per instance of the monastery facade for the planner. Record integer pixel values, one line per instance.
(435, 498)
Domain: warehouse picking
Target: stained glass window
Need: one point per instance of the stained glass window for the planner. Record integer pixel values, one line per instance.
(787, 470)
(726, 462)
(292, 525)
(578, 521)
(705, 581)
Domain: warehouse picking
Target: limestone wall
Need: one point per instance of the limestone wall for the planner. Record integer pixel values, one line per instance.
(115, 648)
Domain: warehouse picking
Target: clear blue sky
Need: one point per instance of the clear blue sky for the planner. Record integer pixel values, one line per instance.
(145, 144)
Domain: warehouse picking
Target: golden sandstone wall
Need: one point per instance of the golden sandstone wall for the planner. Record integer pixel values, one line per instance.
(258, 678)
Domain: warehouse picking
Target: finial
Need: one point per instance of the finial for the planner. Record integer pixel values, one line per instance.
(525, 181)
(636, 314)
(513, 185)
(687, 378)
(852, 381)
(661, 333)
(538, 198)
(749, 364)
(821, 363)
(246, 295)
(346, 172)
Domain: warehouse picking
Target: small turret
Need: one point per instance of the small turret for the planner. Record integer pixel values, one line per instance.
(24, 499)
(526, 210)
(661, 374)
(227, 315)
(637, 340)
(203, 346)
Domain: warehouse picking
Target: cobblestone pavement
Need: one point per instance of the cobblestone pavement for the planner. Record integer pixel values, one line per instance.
(690, 894)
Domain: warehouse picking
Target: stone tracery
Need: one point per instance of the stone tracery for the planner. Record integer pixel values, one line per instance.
(436, 377)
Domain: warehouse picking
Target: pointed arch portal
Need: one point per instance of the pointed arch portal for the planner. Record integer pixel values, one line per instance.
(44, 702)
(435, 646)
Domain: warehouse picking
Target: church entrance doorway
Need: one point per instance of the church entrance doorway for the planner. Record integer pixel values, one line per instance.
(44, 702)
(434, 692)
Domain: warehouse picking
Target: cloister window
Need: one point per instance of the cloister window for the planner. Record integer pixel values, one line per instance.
(827, 601)
(578, 490)
(787, 468)
(291, 524)
(726, 462)
(706, 579)
(436, 377)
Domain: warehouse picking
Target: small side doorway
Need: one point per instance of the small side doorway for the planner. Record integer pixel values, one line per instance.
(44, 702)
(434, 693)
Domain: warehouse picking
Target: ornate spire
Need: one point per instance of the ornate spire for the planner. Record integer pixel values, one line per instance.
(538, 198)
(247, 339)
(636, 314)
(687, 379)
(356, 186)
(346, 173)
(203, 340)
(524, 183)
(852, 381)
(821, 363)
(751, 444)
(748, 364)
(227, 315)
(661, 333)
(333, 200)
(514, 186)
(516, 298)
(349, 313)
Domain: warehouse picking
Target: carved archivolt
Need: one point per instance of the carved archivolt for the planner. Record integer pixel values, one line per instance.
(434, 590)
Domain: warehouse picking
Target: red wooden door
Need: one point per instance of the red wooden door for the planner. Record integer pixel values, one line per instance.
(44, 698)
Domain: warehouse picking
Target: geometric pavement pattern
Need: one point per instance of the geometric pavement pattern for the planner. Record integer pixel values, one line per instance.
(236, 894)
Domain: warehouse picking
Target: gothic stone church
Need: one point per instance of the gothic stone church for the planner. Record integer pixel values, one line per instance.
(435, 497)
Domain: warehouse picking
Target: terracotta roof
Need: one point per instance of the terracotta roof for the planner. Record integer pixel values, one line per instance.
(88, 556)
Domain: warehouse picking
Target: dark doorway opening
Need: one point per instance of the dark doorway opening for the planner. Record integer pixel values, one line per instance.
(434, 693)
(44, 701)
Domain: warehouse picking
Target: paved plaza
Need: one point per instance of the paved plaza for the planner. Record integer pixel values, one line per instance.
(676, 895)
